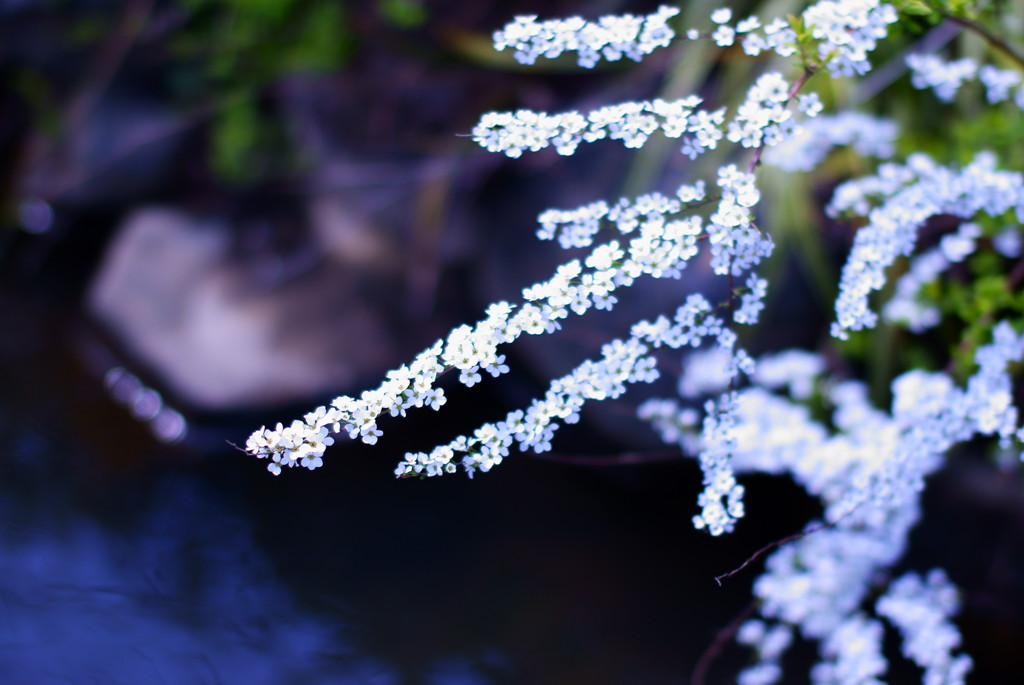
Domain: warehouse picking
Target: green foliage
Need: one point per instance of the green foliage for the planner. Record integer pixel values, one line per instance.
(1000, 129)
(978, 304)
(87, 31)
(971, 299)
(241, 46)
(807, 45)
(917, 8)
(403, 14)
(936, 10)
(235, 134)
(37, 91)
(974, 296)
(253, 42)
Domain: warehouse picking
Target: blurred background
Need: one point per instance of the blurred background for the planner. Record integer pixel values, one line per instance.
(218, 214)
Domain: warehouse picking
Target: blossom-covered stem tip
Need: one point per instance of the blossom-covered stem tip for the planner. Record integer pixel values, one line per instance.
(808, 72)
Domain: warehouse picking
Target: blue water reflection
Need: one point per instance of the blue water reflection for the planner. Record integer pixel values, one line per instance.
(182, 596)
(126, 560)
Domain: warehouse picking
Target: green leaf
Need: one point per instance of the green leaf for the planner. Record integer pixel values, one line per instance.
(403, 14)
(917, 8)
(233, 140)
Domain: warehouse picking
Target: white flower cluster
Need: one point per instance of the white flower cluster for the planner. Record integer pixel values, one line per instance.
(909, 194)
(706, 372)
(906, 307)
(846, 31)
(930, 415)
(622, 362)
(674, 424)
(819, 583)
(721, 501)
(752, 301)
(869, 473)
(659, 247)
(852, 654)
(762, 119)
(770, 643)
(921, 609)
(577, 227)
(793, 370)
(946, 77)
(630, 122)
(736, 243)
(777, 36)
(611, 37)
(866, 466)
(813, 139)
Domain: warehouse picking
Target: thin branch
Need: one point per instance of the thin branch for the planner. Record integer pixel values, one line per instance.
(771, 546)
(108, 59)
(240, 449)
(621, 459)
(1016, 277)
(991, 38)
(714, 650)
(794, 89)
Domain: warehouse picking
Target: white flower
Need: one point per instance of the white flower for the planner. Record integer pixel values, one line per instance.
(722, 15)
(370, 434)
(434, 398)
(724, 36)
(921, 610)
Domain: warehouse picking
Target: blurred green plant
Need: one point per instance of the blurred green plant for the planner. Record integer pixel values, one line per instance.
(402, 14)
(241, 46)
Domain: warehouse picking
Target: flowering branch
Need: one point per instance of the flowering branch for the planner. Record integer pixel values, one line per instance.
(808, 72)
(735, 413)
(990, 37)
(769, 547)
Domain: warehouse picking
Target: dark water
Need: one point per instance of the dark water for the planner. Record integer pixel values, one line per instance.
(124, 560)
(127, 561)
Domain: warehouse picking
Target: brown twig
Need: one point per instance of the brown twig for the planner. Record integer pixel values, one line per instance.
(1016, 277)
(713, 650)
(47, 161)
(794, 89)
(991, 38)
(771, 546)
(240, 449)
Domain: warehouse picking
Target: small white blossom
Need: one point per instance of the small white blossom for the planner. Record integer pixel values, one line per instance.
(722, 15)
(724, 36)
(1009, 242)
(611, 37)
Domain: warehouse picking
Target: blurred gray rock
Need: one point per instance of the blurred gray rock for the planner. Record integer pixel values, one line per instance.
(225, 332)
